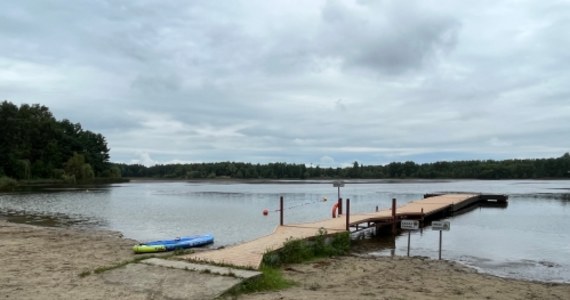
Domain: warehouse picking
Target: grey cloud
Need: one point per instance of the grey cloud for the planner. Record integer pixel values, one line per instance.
(371, 81)
(386, 37)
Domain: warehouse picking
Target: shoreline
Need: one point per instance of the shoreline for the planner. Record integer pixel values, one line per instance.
(46, 263)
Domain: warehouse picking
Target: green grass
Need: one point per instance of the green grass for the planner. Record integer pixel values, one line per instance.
(84, 274)
(118, 265)
(271, 279)
(297, 251)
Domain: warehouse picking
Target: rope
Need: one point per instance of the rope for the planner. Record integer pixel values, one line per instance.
(299, 205)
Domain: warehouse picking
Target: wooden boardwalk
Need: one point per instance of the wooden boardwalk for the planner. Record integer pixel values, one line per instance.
(250, 254)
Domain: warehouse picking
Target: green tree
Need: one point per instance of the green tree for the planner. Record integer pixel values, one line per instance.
(33, 144)
(78, 168)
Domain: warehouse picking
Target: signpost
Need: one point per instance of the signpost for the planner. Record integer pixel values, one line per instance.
(410, 225)
(441, 226)
(338, 184)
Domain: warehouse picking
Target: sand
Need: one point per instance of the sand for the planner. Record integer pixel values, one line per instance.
(46, 263)
(361, 277)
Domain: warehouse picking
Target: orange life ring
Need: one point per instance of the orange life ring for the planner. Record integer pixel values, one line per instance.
(334, 210)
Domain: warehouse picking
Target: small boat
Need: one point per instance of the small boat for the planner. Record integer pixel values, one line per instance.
(184, 242)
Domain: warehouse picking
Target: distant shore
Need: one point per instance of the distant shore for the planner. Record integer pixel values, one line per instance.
(46, 263)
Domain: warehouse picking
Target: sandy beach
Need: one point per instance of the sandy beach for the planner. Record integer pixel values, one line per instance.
(353, 277)
(46, 263)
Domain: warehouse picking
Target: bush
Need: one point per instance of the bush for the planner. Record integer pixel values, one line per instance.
(7, 183)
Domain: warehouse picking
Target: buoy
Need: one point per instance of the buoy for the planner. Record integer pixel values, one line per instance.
(265, 212)
(334, 210)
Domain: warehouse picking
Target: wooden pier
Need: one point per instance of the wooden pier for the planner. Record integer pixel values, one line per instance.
(250, 254)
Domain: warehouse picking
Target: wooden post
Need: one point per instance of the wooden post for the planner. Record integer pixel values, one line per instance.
(409, 237)
(339, 206)
(440, 236)
(347, 214)
(394, 216)
(281, 211)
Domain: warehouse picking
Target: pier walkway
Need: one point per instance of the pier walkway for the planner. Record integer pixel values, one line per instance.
(250, 254)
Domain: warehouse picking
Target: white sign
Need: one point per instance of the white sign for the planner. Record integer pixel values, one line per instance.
(410, 224)
(440, 225)
(338, 183)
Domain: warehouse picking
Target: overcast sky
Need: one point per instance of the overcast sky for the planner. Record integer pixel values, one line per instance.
(317, 82)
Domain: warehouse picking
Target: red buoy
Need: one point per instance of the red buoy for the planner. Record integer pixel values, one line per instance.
(265, 212)
(334, 210)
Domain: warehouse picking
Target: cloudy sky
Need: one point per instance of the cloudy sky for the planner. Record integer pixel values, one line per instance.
(317, 82)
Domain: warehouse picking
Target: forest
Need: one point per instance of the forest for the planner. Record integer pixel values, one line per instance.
(34, 145)
(550, 168)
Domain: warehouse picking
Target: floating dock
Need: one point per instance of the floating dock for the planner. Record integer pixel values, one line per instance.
(250, 254)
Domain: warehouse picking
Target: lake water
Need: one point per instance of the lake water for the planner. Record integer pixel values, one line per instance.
(529, 239)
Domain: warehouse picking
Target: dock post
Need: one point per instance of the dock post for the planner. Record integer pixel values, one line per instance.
(394, 216)
(409, 238)
(347, 214)
(339, 206)
(440, 236)
(281, 211)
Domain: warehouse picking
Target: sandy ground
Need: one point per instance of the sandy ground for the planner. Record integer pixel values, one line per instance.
(45, 263)
(363, 277)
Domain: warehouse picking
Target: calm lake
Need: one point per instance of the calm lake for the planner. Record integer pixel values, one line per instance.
(529, 239)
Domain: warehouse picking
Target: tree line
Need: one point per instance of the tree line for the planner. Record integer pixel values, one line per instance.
(34, 145)
(473, 169)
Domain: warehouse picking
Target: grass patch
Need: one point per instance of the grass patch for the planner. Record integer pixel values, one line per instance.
(297, 251)
(118, 265)
(84, 274)
(112, 267)
(271, 279)
(219, 264)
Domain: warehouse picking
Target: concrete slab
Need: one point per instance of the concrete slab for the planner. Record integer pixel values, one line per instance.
(203, 268)
(158, 282)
